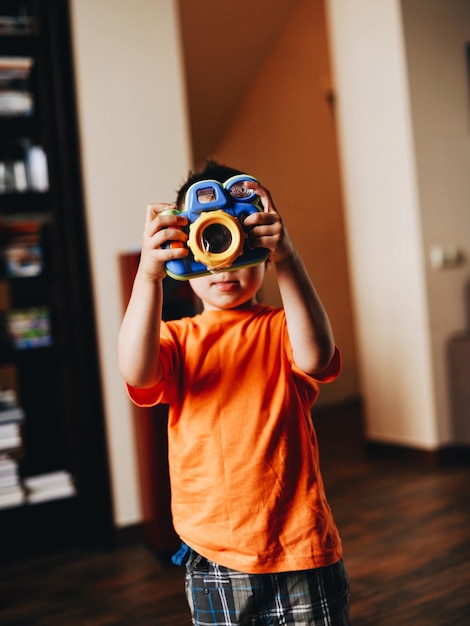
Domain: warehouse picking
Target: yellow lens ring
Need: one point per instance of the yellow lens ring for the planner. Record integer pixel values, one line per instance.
(216, 260)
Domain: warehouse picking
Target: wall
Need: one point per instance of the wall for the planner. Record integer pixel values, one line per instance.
(284, 133)
(436, 34)
(404, 153)
(134, 140)
(135, 150)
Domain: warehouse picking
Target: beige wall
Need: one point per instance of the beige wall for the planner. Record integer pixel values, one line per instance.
(284, 133)
(135, 150)
(436, 34)
(403, 117)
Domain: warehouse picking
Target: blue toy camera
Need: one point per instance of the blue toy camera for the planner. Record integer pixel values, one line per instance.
(217, 238)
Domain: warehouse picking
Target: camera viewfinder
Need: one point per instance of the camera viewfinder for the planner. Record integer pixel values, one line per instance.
(206, 195)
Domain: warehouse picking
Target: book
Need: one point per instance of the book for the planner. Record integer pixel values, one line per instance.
(63, 491)
(10, 436)
(21, 229)
(10, 443)
(21, 24)
(8, 465)
(8, 399)
(15, 414)
(15, 103)
(9, 474)
(48, 480)
(9, 409)
(49, 486)
(11, 496)
(11, 429)
(14, 69)
(8, 481)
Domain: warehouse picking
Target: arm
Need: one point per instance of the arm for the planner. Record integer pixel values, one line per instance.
(310, 332)
(139, 336)
(309, 328)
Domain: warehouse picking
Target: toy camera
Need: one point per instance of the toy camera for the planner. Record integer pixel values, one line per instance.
(217, 238)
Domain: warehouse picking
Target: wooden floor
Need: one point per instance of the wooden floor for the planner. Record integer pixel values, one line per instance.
(405, 525)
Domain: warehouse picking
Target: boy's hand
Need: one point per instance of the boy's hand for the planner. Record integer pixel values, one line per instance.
(159, 230)
(267, 229)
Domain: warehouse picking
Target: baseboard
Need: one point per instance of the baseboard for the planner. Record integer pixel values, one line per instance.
(443, 456)
(350, 404)
(128, 535)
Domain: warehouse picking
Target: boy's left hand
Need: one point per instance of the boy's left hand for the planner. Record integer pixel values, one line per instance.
(266, 229)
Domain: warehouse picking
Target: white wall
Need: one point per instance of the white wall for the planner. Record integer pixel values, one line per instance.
(135, 150)
(405, 170)
(436, 34)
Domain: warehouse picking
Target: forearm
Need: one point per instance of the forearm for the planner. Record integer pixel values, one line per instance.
(309, 328)
(139, 337)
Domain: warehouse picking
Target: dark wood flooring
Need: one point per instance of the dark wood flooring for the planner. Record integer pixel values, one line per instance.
(404, 520)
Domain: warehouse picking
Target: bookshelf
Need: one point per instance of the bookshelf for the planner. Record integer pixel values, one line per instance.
(54, 480)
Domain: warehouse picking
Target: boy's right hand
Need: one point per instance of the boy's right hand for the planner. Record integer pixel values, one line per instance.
(159, 230)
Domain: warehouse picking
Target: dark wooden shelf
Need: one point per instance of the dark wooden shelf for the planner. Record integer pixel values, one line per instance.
(18, 45)
(28, 204)
(58, 386)
(19, 126)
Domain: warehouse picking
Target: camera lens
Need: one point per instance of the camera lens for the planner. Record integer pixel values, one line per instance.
(216, 238)
(238, 190)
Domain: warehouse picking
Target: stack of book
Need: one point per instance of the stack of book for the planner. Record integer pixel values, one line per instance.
(10, 436)
(9, 409)
(11, 491)
(50, 486)
(10, 417)
(15, 95)
(18, 24)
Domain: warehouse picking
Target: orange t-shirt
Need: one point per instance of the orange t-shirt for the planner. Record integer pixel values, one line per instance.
(245, 478)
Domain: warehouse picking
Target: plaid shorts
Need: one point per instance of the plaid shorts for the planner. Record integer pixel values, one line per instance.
(221, 596)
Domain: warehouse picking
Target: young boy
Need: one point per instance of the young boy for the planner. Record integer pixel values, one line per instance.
(240, 378)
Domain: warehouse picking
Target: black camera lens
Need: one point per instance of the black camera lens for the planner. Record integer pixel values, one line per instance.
(216, 238)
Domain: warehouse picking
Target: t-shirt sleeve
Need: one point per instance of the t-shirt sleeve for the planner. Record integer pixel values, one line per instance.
(145, 397)
(332, 370)
(327, 375)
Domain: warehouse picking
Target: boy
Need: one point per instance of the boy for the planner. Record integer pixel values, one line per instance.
(240, 378)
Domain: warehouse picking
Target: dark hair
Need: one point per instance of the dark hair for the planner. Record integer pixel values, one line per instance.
(211, 171)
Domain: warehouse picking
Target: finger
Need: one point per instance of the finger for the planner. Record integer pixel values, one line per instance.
(160, 221)
(167, 238)
(264, 195)
(174, 251)
(261, 219)
(153, 210)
